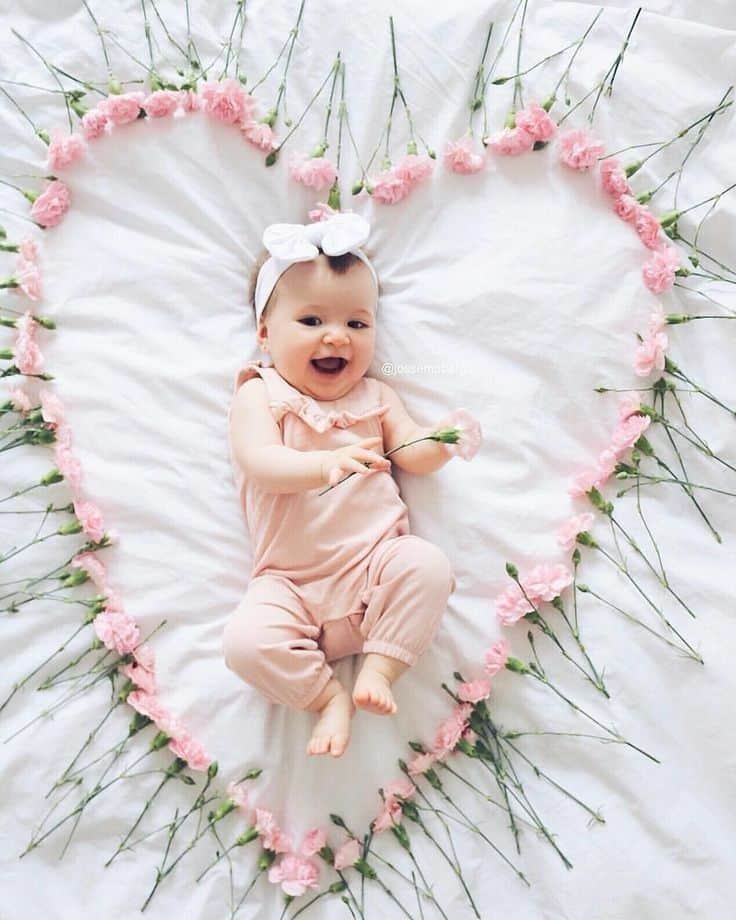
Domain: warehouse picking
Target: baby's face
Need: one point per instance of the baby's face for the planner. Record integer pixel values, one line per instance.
(319, 314)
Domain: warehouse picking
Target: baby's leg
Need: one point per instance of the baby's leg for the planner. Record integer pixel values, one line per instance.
(271, 643)
(410, 580)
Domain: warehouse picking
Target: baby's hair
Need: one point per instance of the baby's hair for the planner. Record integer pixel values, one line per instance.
(338, 264)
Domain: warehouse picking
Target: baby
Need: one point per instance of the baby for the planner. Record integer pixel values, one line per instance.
(339, 573)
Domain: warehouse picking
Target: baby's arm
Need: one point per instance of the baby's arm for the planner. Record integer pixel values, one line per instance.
(281, 470)
(398, 427)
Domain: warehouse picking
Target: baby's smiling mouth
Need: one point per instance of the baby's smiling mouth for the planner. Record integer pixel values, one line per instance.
(328, 365)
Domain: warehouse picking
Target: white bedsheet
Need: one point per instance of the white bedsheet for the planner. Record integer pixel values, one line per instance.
(518, 291)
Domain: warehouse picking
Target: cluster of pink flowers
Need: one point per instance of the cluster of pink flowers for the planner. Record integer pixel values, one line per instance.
(629, 428)
(531, 124)
(544, 582)
(181, 743)
(52, 412)
(394, 184)
(26, 274)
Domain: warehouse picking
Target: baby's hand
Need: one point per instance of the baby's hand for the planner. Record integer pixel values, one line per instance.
(353, 458)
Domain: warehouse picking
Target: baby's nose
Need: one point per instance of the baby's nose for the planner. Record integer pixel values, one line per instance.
(335, 335)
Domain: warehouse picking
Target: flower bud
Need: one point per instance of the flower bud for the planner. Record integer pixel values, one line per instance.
(632, 168)
(223, 809)
(246, 837)
(362, 866)
(272, 157)
(114, 87)
(549, 102)
(357, 188)
(212, 770)
(337, 887)
(644, 197)
(669, 218)
(71, 527)
(513, 664)
(511, 569)
(336, 819)
(44, 135)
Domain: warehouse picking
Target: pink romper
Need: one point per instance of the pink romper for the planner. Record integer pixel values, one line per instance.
(333, 574)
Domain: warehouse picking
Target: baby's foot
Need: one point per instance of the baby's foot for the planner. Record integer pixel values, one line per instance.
(332, 731)
(372, 691)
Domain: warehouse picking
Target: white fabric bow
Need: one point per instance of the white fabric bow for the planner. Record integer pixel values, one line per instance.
(338, 234)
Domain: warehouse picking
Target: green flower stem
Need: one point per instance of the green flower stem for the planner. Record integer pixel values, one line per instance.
(53, 73)
(400, 833)
(675, 371)
(653, 480)
(240, 19)
(475, 97)
(495, 61)
(585, 589)
(333, 71)
(565, 75)
(517, 79)
(264, 862)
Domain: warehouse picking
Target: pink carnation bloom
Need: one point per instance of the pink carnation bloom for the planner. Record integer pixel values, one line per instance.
(93, 566)
(511, 141)
(259, 134)
(626, 207)
(579, 149)
(568, 531)
(52, 408)
(226, 100)
(593, 477)
(657, 320)
(389, 815)
(51, 206)
(162, 102)
(188, 748)
(95, 123)
(459, 156)
(273, 837)
(649, 354)
(659, 269)
(143, 679)
(90, 517)
(400, 789)
(145, 657)
(450, 731)
(511, 605)
(19, 399)
(117, 630)
(348, 854)
(28, 277)
(628, 431)
(189, 101)
(414, 167)
(68, 465)
(469, 431)
(388, 188)
(613, 178)
(122, 108)
(321, 211)
(536, 121)
(546, 582)
(64, 150)
(315, 172)
(420, 763)
(496, 657)
(314, 841)
(149, 705)
(648, 227)
(27, 355)
(475, 690)
(238, 793)
(628, 404)
(294, 874)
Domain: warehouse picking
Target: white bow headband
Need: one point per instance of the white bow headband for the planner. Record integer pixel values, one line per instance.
(290, 243)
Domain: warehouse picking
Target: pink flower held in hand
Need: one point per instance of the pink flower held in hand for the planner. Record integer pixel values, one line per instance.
(459, 156)
(64, 150)
(388, 188)
(496, 657)
(122, 108)
(536, 121)
(414, 168)
(162, 102)
(648, 227)
(294, 874)
(546, 582)
(259, 134)
(117, 630)
(315, 172)
(567, 533)
(49, 208)
(613, 178)
(579, 148)
(475, 690)
(511, 141)
(348, 854)
(314, 841)
(649, 354)
(511, 605)
(90, 517)
(461, 434)
(188, 748)
(659, 269)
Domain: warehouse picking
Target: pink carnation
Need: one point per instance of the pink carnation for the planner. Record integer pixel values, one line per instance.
(238, 793)
(259, 134)
(593, 477)
(93, 566)
(613, 178)
(19, 399)
(122, 108)
(189, 101)
(579, 148)
(148, 704)
(68, 465)
(546, 582)
(90, 517)
(475, 690)
(314, 841)
(389, 815)
(28, 277)
(469, 434)
(273, 837)
(226, 100)
(628, 431)
(51, 206)
(659, 269)
(117, 630)
(628, 404)
(348, 854)
(388, 188)
(511, 141)
(568, 531)
(294, 874)
(459, 156)
(627, 207)
(52, 408)
(64, 150)
(161, 103)
(450, 731)
(95, 123)
(649, 354)
(511, 605)
(536, 121)
(400, 789)
(315, 172)
(143, 679)
(421, 763)
(496, 657)
(145, 657)
(321, 211)
(648, 227)
(188, 748)
(414, 167)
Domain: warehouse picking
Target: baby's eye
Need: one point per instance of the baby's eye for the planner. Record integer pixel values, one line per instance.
(307, 320)
(361, 325)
